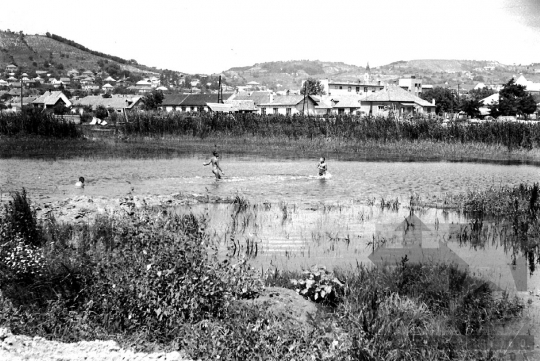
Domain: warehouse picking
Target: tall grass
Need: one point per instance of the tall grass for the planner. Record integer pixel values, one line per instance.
(514, 216)
(346, 128)
(35, 122)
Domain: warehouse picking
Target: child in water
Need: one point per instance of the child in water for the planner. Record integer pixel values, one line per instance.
(322, 167)
(216, 169)
(80, 183)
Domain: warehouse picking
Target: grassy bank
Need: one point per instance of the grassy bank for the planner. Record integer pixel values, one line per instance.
(150, 278)
(155, 134)
(166, 147)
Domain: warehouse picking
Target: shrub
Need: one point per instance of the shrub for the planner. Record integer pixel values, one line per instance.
(127, 273)
(101, 112)
(18, 221)
(319, 285)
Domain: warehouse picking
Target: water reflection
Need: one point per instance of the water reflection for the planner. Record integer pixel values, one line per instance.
(288, 236)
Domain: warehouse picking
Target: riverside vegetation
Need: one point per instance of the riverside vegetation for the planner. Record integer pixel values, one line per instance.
(151, 278)
(155, 133)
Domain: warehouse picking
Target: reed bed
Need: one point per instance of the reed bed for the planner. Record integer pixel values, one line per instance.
(37, 123)
(159, 134)
(342, 128)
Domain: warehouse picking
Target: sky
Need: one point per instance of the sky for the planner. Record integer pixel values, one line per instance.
(210, 36)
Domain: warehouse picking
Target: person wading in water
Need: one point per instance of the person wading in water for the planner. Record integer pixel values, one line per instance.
(216, 169)
(322, 167)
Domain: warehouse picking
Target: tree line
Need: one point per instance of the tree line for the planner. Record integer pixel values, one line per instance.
(514, 100)
(84, 48)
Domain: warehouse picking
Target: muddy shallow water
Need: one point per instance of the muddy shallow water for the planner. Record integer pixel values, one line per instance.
(258, 179)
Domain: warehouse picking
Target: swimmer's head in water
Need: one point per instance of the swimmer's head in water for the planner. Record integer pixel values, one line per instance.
(81, 179)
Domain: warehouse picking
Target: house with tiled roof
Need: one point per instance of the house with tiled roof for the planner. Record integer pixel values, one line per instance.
(11, 68)
(341, 103)
(242, 106)
(323, 105)
(144, 86)
(50, 99)
(172, 102)
(90, 87)
(87, 80)
(289, 105)
(15, 102)
(190, 102)
(257, 97)
(396, 99)
(221, 108)
(199, 102)
(120, 103)
(530, 86)
(107, 87)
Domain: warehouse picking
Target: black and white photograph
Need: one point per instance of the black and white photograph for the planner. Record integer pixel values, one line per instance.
(344, 180)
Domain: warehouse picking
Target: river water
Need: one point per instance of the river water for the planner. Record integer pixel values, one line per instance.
(307, 220)
(259, 179)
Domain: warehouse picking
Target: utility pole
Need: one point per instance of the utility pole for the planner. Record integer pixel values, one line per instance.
(304, 104)
(220, 94)
(21, 94)
(458, 100)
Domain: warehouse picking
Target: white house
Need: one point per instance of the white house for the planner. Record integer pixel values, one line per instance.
(530, 87)
(492, 99)
(107, 87)
(335, 87)
(50, 99)
(412, 85)
(397, 99)
(289, 105)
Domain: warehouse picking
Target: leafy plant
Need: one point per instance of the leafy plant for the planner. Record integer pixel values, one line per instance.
(319, 285)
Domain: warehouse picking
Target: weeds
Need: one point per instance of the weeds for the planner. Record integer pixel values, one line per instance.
(507, 214)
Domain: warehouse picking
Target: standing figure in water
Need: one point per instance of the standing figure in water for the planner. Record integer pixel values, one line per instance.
(322, 167)
(80, 183)
(216, 169)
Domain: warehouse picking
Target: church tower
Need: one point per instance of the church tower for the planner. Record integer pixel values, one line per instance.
(367, 74)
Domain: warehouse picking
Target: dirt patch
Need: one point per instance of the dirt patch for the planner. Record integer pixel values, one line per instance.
(15, 348)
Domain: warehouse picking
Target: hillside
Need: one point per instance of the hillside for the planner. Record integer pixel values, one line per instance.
(40, 52)
(290, 74)
(442, 65)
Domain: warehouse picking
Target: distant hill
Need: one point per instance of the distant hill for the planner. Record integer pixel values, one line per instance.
(58, 55)
(290, 74)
